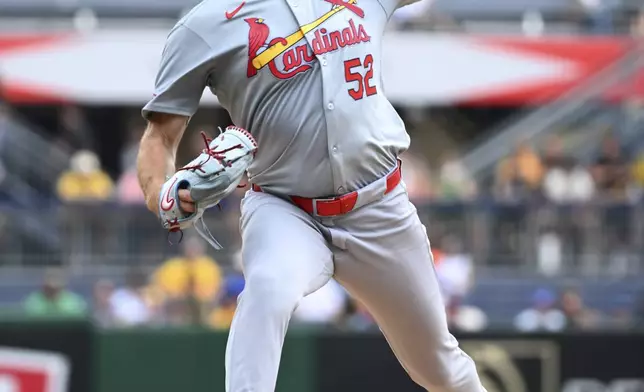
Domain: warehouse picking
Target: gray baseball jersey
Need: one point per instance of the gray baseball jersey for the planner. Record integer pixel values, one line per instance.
(303, 76)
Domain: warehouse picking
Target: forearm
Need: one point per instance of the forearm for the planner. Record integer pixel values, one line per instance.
(156, 159)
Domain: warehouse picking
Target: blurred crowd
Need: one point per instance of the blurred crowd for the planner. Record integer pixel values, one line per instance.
(193, 290)
(548, 174)
(191, 287)
(545, 172)
(559, 178)
(526, 174)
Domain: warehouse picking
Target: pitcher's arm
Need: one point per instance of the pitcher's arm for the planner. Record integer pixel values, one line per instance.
(157, 155)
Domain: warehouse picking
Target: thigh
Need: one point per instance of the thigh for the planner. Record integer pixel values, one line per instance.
(283, 245)
(386, 263)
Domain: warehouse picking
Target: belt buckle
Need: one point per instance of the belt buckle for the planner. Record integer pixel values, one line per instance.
(345, 206)
(326, 200)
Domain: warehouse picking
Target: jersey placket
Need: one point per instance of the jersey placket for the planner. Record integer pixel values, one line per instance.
(330, 72)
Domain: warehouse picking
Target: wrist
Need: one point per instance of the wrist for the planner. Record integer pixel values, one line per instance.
(152, 197)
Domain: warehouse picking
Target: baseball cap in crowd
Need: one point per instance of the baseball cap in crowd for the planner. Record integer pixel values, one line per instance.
(543, 297)
(233, 286)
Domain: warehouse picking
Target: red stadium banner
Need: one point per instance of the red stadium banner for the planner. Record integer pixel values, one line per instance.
(119, 66)
(32, 371)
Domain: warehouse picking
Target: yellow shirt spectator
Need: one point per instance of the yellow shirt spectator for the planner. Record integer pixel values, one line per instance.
(638, 170)
(524, 165)
(79, 186)
(85, 180)
(193, 273)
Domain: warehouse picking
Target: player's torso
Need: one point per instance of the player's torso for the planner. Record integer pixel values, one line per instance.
(304, 77)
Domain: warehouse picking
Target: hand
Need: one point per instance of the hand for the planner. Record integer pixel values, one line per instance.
(185, 201)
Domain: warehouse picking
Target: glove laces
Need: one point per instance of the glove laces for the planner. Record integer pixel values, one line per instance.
(204, 232)
(201, 228)
(212, 153)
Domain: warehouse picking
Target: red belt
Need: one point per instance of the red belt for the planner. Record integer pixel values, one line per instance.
(337, 205)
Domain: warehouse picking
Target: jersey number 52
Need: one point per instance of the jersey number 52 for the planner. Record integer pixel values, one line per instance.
(353, 72)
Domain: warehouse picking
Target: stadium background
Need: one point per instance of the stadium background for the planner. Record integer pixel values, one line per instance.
(527, 166)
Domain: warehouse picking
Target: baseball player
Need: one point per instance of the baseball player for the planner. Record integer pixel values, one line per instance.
(321, 153)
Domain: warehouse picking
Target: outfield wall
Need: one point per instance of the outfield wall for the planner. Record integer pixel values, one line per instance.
(170, 360)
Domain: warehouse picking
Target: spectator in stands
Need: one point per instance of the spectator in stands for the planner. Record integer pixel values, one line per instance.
(323, 306)
(101, 307)
(612, 175)
(578, 315)
(565, 180)
(222, 316)
(54, 299)
(455, 270)
(610, 170)
(550, 244)
(128, 303)
(194, 273)
(85, 180)
(455, 180)
(543, 315)
(599, 15)
(466, 318)
(519, 175)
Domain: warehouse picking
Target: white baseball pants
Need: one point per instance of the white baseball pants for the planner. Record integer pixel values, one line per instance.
(380, 253)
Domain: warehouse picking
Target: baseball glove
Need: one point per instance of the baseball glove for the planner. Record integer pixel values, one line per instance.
(210, 177)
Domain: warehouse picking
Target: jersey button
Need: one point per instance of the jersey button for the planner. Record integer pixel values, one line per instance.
(341, 190)
(324, 63)
(334, 149)
(330, 106)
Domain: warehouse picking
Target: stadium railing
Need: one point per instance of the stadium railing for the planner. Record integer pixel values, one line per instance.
(495, 234)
